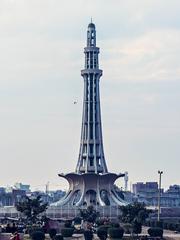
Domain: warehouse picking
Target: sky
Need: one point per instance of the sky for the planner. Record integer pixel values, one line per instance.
(41, 55)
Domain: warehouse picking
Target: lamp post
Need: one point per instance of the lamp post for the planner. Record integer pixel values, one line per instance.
(159, 194)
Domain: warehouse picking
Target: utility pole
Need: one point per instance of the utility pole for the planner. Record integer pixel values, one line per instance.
(159, 194)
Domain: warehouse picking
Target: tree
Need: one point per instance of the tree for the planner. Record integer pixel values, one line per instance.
(134, 214)
(135, 211)
(31, 208)
(89, 214)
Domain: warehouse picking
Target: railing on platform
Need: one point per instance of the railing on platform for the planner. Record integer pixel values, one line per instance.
(63, 212)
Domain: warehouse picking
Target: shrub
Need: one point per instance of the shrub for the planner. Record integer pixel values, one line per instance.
(171, 226)
(103, 221)
(159, 224)
(88, 235)
(178, 228)
(155, 232)
(58, 237)
(67, 232)
(115, 225)
(77, 220)
(165, 225)
(52, 233)
(68, 224)
(153, 224)
(104, 227)
(147, 223)
(100, 222)
(116, 232)
(127, 228)
(102, 233)
(33, 228)
(38, 235)
(137, 227)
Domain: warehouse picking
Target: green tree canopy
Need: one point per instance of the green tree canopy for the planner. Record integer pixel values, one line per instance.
(31, 207)
(89, 214)
(136, 211)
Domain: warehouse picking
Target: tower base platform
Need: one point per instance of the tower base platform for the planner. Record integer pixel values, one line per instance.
(91, 189)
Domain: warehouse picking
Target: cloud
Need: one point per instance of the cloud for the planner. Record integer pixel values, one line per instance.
(154, 56)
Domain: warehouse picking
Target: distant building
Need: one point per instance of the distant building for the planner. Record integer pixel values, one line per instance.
(24, 187)
(171, 197)
(148, 193)
(10, 198)
(2, 190)
(50, 197)
(141, 188)
(17, 195)
(10, 195)
(6, 199)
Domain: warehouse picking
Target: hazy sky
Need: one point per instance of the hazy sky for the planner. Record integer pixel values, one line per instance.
(41, 55)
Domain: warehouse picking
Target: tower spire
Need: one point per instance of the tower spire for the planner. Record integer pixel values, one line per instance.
(91, 154)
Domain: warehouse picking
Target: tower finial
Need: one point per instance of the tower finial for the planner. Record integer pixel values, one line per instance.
(91, 19)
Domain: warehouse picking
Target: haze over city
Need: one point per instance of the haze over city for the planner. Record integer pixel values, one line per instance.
(41, 57)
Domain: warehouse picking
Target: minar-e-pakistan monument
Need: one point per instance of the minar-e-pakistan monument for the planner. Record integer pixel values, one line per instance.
(91, 183)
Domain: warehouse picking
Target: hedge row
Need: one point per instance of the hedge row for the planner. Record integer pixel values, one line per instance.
(173, 226)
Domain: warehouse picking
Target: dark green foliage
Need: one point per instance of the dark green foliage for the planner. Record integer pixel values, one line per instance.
(88, 235)
(178, 228)
(67, 232)
(128, 228)
(137, 227)
(31, 208)
(159, 224)
(102, 221)
(116, 225)
(68, 224)
(89, 214)
(165, 225)
(102, 233)
(77, 220)
(116, 232)
(134, 211)
(38, 235)
(52, 233)
(99, 222)
(104, 228)
(33, 228)
(155, 232)
(171, 226)
(135, 214)
(58, 237)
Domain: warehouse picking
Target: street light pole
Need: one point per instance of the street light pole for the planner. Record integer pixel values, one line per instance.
(159, 194)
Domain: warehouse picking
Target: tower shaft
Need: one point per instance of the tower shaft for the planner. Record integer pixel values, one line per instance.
(91, 153)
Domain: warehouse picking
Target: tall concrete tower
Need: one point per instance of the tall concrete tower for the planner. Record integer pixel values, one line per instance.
(91, 183)
(91, 154)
